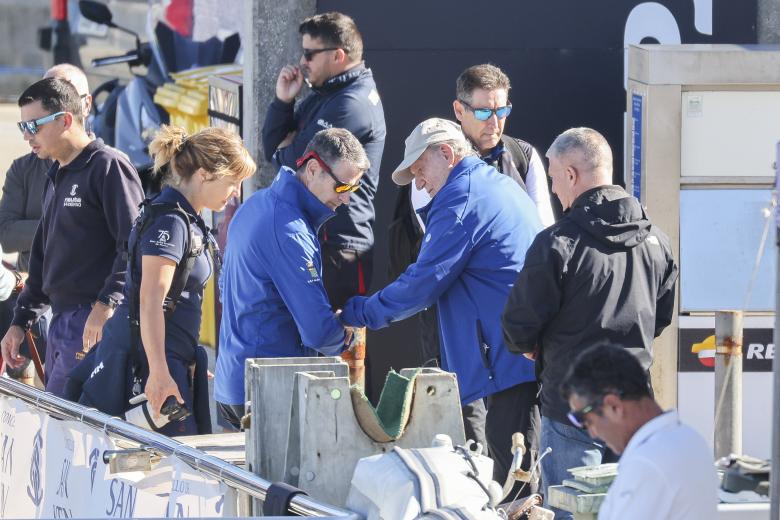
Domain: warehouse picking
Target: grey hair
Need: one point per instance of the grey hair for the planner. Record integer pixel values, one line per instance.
(72, 74)
(337, 144)
(460, 147)
(593, 148)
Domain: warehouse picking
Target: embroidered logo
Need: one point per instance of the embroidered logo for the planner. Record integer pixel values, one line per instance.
(163, 238)
(324, 124)
(72, 201)
(314, 276)
(373, 97)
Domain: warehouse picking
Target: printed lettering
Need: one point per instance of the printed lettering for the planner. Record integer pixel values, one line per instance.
(755, 351)
(61, 512)
(7, 455)
(35, 487)
(62, 490)
(123, 498)
(180, 486)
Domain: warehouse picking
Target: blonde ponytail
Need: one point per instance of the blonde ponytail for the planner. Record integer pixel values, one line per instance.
(167, 144)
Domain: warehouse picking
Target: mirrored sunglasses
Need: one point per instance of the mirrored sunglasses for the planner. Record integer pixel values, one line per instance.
(483, 114)
(31, 126)
(340, 187)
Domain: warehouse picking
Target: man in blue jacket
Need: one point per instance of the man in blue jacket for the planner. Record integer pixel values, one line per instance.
(478, 227)
(343, 95)
(273, 299)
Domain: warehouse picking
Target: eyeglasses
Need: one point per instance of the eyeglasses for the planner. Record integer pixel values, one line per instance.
(577, 417)
(308, 54)
(341, 187)
(31, 126)
(483, 114)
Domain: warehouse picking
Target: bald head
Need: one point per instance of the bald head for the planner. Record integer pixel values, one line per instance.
(76, 77)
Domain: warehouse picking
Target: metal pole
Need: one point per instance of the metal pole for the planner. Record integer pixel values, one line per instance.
(728, 383)
(231, 475)
(774, 482)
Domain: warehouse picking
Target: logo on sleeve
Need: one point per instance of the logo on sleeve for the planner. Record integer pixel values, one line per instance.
(373, 97)
(163, 238)
(324, 124)
(73, 201)
(313, 274)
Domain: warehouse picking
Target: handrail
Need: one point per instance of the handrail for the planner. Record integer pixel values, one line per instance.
(233, 476)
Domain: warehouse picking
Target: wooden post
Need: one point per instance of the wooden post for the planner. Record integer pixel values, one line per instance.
(355, 358)
(728, 383)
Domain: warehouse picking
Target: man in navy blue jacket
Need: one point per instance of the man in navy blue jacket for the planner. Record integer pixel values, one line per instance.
(479, 225)
(343, 95)
(273, 299)
(76, 263)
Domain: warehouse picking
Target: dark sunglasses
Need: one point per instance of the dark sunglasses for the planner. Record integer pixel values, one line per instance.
(483, 114)
(577, 417)
(341, 187)
(31, 126)
(308, 54)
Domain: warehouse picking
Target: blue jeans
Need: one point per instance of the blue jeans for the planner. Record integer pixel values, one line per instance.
(571, 447)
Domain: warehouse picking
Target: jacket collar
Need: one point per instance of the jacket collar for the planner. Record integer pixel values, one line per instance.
(341, 80)
(171, 195)
(287, 187)
(669, 419)
(462, 168)
(82, 159)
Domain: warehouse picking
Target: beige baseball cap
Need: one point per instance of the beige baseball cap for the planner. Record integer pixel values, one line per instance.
(431, 131)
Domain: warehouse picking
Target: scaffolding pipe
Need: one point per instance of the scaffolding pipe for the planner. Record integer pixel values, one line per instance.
(231, 475)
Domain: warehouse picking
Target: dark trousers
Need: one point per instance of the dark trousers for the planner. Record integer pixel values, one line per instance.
(345, 273)
(65, 341)
(508, 411)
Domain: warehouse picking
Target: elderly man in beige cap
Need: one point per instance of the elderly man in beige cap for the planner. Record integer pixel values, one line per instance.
(479, 225)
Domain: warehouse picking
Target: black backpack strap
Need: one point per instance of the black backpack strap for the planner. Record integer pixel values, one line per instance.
(521, 152)
(150, 212)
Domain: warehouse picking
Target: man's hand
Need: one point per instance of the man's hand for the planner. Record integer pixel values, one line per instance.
(287, 141)
(532, 355)
(352, 313)
(93, 329)
(158, 387)
(289, 83)
(10, 346)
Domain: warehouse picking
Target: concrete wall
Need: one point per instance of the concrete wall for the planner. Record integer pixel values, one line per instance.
(21, 62)
(768, 21)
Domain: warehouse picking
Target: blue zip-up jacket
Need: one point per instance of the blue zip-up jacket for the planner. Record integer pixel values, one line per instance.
(273, 299)
(349, 100)
(478, 228)
(78, 253)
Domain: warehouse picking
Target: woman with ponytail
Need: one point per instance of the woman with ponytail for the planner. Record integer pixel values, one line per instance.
(201, 171)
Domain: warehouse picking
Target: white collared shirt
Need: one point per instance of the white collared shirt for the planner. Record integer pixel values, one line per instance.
(666, 472)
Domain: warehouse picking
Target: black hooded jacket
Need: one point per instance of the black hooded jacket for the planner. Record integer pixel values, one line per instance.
(603, 273)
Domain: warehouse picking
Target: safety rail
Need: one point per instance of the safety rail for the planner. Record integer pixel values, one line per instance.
(233, 476)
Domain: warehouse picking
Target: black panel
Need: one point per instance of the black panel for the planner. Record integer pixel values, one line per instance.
(565, 61)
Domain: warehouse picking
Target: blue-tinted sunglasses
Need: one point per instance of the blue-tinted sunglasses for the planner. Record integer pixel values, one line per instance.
(483, 114)
(31, 126)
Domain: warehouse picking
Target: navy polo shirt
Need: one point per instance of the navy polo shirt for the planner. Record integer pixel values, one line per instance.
(166, 236)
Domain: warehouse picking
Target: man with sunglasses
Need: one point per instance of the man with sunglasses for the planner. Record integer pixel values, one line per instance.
(482, 106)
(478, 226)
(274, 302)
(343, 95)
(20, 212)
(76, 264)
(603, 272)
(666, 468)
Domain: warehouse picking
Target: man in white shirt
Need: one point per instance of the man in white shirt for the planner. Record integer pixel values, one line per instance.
(666, 470)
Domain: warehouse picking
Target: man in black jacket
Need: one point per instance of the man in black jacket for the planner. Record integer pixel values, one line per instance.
(603, 273)
(343, 95)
